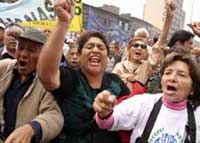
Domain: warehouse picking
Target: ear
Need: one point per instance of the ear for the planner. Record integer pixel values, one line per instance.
(178, 43)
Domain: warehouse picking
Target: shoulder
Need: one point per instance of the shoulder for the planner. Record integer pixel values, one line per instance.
(115, 85)
(119, 66)
(112, 76)
(146, 99)
(6, 65)
(7, 62)
(67, 72)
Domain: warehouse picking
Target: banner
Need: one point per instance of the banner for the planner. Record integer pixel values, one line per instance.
(115, 32)
(38, 14)
(27, 10)
(45, 24)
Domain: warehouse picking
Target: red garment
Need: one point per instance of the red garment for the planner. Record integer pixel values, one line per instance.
(137, 89)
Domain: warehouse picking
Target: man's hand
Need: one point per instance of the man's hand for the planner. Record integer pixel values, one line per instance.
(196, 51)
(170, 8)
(22, 134)
(104, 104)
(65, 10)
(195, 26)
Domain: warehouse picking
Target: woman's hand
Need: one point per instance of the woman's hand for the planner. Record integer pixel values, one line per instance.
(104, 104)
(65, 10)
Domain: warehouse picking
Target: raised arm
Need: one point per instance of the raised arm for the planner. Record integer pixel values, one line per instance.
(170, 9)
(157, 51)
(48, 65)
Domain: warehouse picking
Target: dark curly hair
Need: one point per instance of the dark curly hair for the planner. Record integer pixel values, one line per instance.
(89, 34)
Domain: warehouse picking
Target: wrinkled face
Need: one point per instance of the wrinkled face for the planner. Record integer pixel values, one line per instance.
(11, 36)
(1, 35)
(112, 49)
(27, 54)
(188, 44)
(73, 57)
(93, 58)
(47, 32)
(138, 51)
(176, 82)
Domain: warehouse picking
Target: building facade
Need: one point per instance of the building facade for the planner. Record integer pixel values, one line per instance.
(155, 14)
(117, 27)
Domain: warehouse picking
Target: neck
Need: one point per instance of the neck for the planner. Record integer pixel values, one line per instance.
(11, 52)
(94, 80)
(135, 62)
(174, 105)
(23, 78)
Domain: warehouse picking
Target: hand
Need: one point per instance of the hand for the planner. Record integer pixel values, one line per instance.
(195, 26)
(196, 51)
(131, 78)
(104, 104)
(170, 8)
(22, 134)
(65, 10)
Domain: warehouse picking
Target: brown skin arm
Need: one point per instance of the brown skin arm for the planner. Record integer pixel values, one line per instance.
(48, 64)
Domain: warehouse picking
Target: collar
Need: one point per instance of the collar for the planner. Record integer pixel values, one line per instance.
(174, 105)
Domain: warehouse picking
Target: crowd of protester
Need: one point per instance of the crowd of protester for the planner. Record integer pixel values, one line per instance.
(91, 90)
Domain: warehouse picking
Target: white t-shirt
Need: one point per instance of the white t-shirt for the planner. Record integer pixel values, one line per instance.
(169, 127)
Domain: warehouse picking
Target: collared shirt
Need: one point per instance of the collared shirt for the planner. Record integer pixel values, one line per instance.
(5, 54)
(13, 95)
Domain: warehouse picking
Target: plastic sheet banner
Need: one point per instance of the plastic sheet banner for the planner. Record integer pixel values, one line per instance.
(27, 10)
(38, 14)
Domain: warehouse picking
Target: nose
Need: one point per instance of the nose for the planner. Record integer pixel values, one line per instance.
(173, 77)
(95, 48)
(24, 53)
(74, 56)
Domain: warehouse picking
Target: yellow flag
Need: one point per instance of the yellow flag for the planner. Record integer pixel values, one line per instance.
(77, 21)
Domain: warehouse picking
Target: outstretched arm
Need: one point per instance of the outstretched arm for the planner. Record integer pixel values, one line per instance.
(48, 64)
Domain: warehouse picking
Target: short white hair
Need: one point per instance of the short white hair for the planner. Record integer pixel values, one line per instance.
(141, 32)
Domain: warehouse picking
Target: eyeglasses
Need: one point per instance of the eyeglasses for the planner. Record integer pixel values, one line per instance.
(136, 45)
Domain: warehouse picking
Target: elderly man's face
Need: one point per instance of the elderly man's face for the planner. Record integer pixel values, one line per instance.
(10, 38)
(73, 57)
(1, 35)
(27, 55)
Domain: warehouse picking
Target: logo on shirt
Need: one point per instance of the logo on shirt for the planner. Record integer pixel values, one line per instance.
(160, 136)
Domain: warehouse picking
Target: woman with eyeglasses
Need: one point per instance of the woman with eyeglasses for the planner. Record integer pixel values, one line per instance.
(129, 70)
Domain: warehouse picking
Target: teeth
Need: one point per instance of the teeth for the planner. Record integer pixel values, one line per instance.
(137, 53)
(94, 59)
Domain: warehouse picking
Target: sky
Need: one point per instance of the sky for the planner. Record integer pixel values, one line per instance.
(135, 7)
